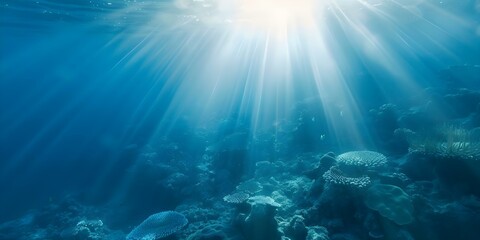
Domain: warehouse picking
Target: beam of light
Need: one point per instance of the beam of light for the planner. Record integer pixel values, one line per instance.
(250, 56)
(258, 53)
(250, 60)
(275, 14)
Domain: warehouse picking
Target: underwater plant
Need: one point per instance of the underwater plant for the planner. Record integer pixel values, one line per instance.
(447, 141)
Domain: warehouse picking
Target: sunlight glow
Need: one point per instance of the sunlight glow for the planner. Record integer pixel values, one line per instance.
(179, 86)
(274, 14)
(259, 60)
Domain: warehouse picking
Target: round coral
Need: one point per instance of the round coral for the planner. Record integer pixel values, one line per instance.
(362, 159)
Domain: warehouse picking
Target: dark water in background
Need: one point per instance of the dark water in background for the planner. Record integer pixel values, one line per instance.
(85, 86)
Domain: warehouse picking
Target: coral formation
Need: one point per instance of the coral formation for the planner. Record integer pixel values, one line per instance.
(336, 176)
(317, 233)
(447, 142)
(367, 159)
(391, 202)
(238, 197)
(158, 225)
(260, 222)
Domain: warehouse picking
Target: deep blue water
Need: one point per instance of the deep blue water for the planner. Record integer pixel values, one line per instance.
(88, 88)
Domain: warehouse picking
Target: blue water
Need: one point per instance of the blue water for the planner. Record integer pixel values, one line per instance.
(89, 88)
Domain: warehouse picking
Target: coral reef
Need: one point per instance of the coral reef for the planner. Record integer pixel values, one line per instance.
(420, 181)
(368, 159)
(391, 202)
(336, 176)
(158, 225)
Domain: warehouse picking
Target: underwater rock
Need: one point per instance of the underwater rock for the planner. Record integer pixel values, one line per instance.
(266, 169)
(150, 182)
(463, 102)
(458, 176)
(418, 167)
(372, 225)
(66, 212)
(21, 228)
(419, 118)
(317, 233)
(209, 232)
(403, 235)
(207, 221)
(194, 212)
(176, 181)
(296, 189)
(344, 236)
(158, 225)
(228, 168)
(396, 178)
(251, 186)
(446, 219)
(325, 162)
(294, 228)
(335, 207)
(85, 230)
(260, 222)
(307, 132)
(391, 202)
(233, 142)
(68, 220)
(384, 123)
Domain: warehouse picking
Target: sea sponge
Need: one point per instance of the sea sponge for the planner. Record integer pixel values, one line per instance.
(391, 202)
(158, 225)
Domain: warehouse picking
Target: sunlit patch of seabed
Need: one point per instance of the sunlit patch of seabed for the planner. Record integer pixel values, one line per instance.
(256, 59)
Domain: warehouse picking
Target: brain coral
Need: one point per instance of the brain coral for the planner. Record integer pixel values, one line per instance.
(158, 225)
(391, 202)
(362, 159)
